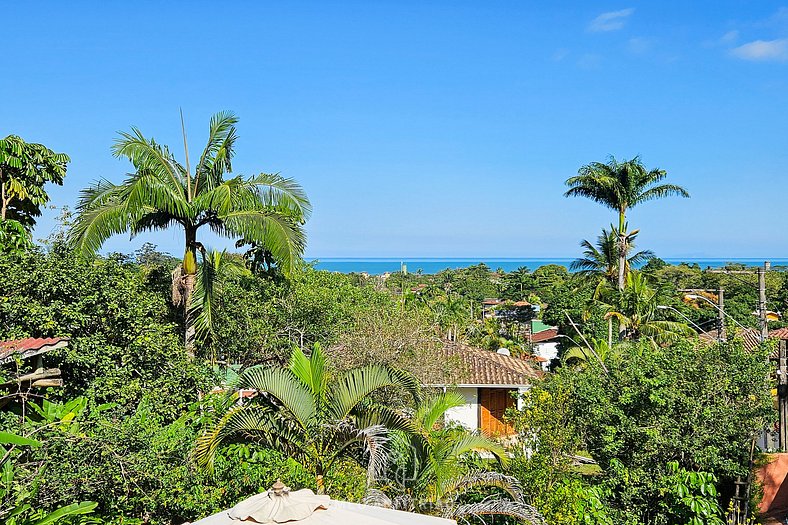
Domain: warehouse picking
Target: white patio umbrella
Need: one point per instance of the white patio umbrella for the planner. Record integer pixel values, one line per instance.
(304, 507)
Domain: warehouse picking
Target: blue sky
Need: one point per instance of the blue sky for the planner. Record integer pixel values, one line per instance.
(431, 128)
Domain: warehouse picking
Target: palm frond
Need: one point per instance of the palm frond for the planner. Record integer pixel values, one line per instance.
(101, 213)
(282, 194)
(434, 407)
(662, 191)
(215, 270)
(280, 235)
(357, 384)
(247, 420)
(216, 158)
(484, 479)
(496, 507)
(476, 443)
(284, 386)
(311, 371)
(148, 156)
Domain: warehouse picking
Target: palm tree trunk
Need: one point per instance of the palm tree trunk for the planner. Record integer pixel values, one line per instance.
(622, 250)
(189, 276)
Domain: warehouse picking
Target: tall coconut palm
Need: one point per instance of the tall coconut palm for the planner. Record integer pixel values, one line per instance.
(430, 475)
(621, 186)
(313, 416)
(162, 192)
(600, 261)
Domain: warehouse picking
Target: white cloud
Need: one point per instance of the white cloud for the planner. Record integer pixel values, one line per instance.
(730, 37)
(610, 21)
(763, 50)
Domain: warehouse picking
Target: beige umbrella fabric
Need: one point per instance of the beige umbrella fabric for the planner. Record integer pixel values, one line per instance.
(304, 507)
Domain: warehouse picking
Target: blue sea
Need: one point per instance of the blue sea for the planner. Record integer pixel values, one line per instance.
(376, 266)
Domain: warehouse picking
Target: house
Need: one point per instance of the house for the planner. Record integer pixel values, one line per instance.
(489, 382)
(544, 342)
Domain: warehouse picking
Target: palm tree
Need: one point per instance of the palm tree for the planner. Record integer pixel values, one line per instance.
(602, 352)
(216, 269)
(311, 415)
(265, 208)
(635, 308)
(430, 475)
(621, 186)
(601, 261)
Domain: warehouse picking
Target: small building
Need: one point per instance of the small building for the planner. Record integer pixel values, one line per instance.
(31, 350)
(544, 342)
(489, 381)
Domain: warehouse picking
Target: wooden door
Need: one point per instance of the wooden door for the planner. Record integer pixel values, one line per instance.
(493, 403)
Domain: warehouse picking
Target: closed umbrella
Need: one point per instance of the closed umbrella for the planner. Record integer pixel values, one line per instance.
(304, 507)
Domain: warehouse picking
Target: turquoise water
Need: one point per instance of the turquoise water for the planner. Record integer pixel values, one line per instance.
(377, 266)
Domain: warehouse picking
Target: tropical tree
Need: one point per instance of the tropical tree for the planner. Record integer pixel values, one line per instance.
(635, 309)
(431, 473)
(621, 186)
(600, 261)
(266, 208)
(24, 170)
(314, 416)
(216, 269)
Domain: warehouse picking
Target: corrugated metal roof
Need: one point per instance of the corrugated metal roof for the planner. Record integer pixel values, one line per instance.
(30, 346)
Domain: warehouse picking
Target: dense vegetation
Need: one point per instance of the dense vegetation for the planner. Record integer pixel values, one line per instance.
(640, 421)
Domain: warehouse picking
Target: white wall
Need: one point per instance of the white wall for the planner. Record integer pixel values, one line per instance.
(547, 350)
(466, 415)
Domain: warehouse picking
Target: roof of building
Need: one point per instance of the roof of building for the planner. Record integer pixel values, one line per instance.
(30, 347)
(779, 333)
(544, 335)
(470, 366)
(539, 326)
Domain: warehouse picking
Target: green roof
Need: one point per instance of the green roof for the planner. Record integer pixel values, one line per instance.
(538, 326)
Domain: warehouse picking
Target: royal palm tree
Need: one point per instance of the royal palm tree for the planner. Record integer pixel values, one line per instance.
(430, 475)
(161, 192)
(313, 416)
(621, 186)
(601, 261)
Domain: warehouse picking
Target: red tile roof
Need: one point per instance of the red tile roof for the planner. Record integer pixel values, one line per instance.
(544, 335)
(779, 333)
(466, 365)
(30, 347)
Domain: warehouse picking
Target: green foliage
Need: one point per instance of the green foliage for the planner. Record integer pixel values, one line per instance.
(312, 415)
(14, 238)
(18, 497)
(24, 170)
(139, 467)
(260, 318)
(123, 339)
(433, 470)
(691, 497)
(699, 405)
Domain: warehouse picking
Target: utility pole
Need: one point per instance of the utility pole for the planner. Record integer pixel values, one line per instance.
(762, 300)
(721, 312)
(782, 393)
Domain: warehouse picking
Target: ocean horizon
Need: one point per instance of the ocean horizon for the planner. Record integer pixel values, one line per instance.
(432, 265)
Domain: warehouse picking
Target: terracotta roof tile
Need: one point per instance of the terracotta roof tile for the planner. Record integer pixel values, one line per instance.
(467, 365)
